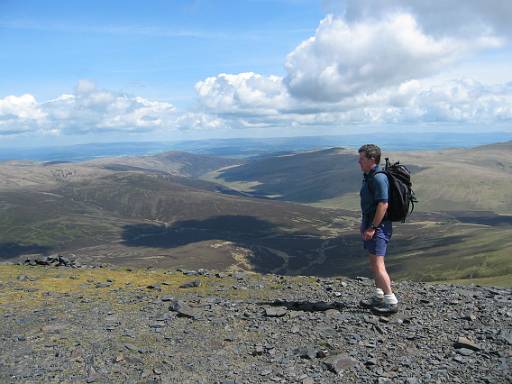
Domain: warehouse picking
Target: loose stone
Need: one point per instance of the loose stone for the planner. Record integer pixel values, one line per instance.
(463, 342)
(191, 284)
(339, 363)
(276, 311)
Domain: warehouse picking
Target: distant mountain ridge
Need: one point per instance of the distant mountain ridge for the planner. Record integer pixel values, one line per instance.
(178, 163)
(180, 209)
(457, 179)
(249, 147)
(16, 174)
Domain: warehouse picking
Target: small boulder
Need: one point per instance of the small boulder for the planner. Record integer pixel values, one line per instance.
(339, 363)
(275, 311)
(465, 351)
(463, 342)
(191, 284)
(182, 309)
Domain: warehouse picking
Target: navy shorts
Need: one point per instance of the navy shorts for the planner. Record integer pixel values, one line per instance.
(379, 243)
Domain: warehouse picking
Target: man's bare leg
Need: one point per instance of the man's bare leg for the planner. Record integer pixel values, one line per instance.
(380, 274)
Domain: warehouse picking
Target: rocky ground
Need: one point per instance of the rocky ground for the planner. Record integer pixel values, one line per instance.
(66, 323)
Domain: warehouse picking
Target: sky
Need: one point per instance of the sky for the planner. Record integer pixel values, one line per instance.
(105, 71)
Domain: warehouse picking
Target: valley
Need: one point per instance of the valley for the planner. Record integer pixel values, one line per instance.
(288, 214)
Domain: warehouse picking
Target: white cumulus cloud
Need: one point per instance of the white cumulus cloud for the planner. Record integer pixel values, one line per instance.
(369, 66)
(372, 62)
(87, 110)
(243, 93)
(447, 17)
(20, 114)
(465, 101)
(93, 110)
(199, 121)
(344, 59)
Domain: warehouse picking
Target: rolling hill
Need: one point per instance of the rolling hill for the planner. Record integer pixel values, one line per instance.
(462, 179)
(175, 163)
(179, 209)
(15, 175)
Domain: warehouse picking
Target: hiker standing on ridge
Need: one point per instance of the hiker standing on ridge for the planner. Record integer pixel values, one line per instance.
(376, 229)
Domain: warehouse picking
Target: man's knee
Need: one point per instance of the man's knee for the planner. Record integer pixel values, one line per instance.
(377, 263)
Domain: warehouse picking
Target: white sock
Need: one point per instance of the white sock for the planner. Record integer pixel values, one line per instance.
(379, 293)
(390, 299)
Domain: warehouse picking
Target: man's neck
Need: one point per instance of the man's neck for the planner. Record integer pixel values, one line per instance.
(372, 168)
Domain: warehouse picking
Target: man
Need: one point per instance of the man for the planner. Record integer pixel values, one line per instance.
(375, 229)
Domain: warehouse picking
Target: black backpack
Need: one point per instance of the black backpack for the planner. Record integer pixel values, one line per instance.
(401, 196)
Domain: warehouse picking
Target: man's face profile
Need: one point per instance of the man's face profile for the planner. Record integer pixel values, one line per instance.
(365, 163)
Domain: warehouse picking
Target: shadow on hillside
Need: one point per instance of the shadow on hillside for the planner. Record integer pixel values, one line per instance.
(12, 250)
(273, 249)
(229, 228)
(305, 178)
(483, 218)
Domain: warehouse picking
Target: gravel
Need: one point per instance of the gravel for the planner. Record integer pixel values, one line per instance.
(294, 330)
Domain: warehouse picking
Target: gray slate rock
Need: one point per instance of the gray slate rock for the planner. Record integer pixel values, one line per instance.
(276, 311)
(463, 342)
(306, 353)
(182, 309)
(131, 347)
(464, 351)
(506, 336)
(258, 350)
(191, 284)
(339, 363)
(52, 260)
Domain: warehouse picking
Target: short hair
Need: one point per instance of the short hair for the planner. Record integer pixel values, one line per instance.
(371, 151)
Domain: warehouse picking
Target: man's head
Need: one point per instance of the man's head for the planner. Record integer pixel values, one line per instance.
(369, 155)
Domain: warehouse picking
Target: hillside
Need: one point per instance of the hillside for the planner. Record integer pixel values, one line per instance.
(175, 163)
(15, 175)
(477, 179)
(131, 211)
(112, 325)
(467, 189)
(463, 179)
(155, 219)
(301, 177)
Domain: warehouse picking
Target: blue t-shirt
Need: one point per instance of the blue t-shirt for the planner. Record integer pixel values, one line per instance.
(371, 196)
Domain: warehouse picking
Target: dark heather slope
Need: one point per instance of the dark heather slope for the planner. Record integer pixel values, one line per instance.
(459, 179)
(108, 325)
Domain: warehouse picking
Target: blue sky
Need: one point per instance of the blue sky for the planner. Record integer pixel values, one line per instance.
(82, 71)
(160, 49)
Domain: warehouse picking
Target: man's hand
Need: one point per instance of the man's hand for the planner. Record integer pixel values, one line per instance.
(368, 234)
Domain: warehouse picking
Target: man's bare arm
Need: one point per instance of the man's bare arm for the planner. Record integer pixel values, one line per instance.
(380, 213)
(377, 219)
